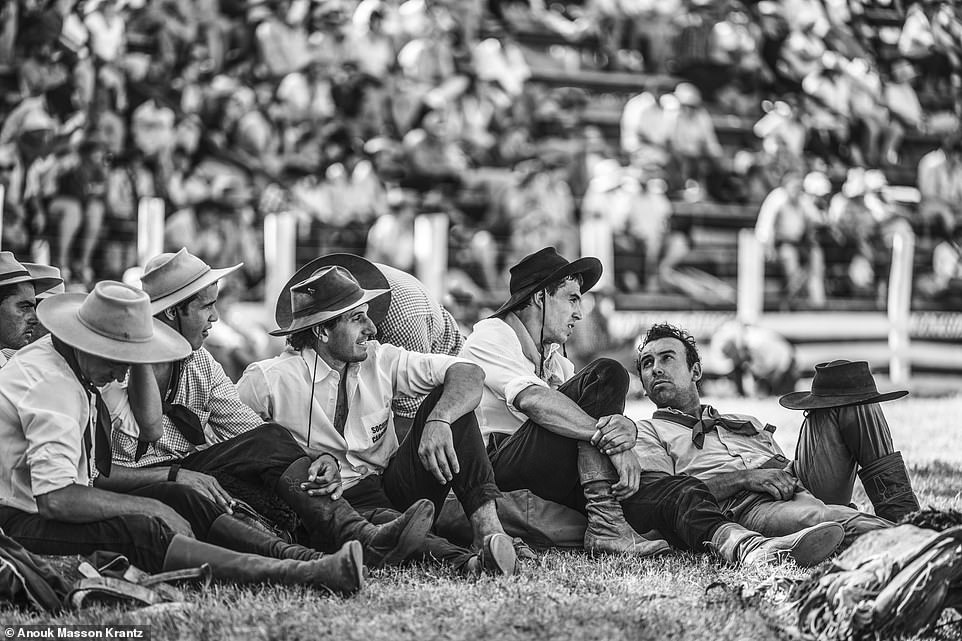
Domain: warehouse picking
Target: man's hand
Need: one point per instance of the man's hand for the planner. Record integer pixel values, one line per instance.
(615, 433)
(436, 451)
(208, 486)
(324, 477)
(629, 474)
(780, 484)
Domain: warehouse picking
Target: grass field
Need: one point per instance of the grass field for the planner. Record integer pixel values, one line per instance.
(569, 595)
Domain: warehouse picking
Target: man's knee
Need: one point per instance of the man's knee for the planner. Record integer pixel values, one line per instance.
(275, 440)
(611, 372)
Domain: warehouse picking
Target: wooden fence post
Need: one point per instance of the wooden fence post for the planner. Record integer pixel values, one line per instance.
(751, 277)
(431, 252)
(150, 229)
(899, 305)
(280, 245)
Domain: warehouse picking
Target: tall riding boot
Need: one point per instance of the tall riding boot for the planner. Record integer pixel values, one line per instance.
(387, 544)
(807, 547)
(886, 481)
(341, 571)
(234, 534)
(608, 531)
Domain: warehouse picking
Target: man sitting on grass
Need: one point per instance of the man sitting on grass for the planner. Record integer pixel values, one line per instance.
(56, 434)
(735, 455)
(333, 389)
(208, 431)
(562, 434)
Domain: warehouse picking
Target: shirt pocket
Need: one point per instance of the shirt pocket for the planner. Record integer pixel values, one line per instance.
(375, 425)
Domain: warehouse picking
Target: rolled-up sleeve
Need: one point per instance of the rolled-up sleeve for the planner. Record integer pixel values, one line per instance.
(254, 392)
(54, 438)
(651, 450)
(507, 371)
(418, 374)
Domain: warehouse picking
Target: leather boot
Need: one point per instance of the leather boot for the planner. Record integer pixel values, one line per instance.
(340, 572)
(607, 529)
(886, 481)
(336, 521)
(234, 534)
(811, 546)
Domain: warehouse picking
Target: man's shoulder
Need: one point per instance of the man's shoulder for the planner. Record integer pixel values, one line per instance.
(488, 329)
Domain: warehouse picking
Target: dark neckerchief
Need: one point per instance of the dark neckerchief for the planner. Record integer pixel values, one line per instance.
(102, 429)
(186, 421)
(710, 420)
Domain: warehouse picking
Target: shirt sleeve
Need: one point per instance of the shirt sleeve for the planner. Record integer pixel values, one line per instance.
(54, 436)
(418, 374)
(651, 450)
(507, 371)
(229, 417)
(254, 391)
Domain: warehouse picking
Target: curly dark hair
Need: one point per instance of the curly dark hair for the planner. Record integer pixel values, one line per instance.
(665, 330)
(305, 338)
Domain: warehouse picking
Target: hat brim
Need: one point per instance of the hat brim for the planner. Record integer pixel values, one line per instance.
(589, 268)
(307, 322)
(40, 284)
(160, 304)
(367, 274)
(59, 315)
(809, 401)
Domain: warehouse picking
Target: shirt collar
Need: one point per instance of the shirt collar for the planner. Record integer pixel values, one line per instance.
(323, 371)
(528, 346)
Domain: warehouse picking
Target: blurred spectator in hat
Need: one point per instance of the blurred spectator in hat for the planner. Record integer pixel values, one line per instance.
(786, 230)
(78, 209)
(827, 109)
(645, 132)
(869, 115)
(944, 283)
(802, 52)
(692, 139)
(904, 109)
(940, 183)
(433, 152)
(16, 233)
(370, 43)
(152, 128)
(282, 46)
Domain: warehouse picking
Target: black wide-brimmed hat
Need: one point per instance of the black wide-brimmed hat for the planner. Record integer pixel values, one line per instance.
(837, 384)
(538, 270)
(364, 271)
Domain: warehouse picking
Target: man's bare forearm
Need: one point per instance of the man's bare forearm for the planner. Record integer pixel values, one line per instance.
(463, 384)
(556, 413)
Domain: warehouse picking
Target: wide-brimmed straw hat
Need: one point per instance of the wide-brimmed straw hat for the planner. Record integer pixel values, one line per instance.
(326, 294)
(115, 322)
(538, 270)
(49, 281)
(837, 384)
(364, 271)
(13, 272)
(171, 278)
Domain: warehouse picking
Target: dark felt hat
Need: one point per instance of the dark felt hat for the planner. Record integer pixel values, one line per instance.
(536, 271)
(364, 271)
(837, 384)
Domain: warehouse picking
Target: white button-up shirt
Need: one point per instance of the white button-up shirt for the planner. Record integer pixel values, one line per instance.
(44, 412)
(508, 356)
(280, 390)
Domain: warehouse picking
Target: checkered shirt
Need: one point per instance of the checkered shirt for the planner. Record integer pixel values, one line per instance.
(418, 323)
(207, 391)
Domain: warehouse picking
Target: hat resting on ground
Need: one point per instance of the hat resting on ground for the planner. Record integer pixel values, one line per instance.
(13, 272)
(172, 278)
(326, 294)
(545, 266)
(115, 322)
(837, 384)
(364, 272)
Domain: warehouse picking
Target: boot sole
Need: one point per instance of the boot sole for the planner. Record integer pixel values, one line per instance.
(499, 556)
(817, 544)
(355, 552)
(638, 549)
(412, 536)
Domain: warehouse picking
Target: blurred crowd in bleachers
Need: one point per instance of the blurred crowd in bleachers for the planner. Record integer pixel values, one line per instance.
(360, 115)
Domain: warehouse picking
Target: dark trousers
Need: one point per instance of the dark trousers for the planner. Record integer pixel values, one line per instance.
(546, 463)
(405, 480)
(142, 539)
(680, 507)
(258, 456)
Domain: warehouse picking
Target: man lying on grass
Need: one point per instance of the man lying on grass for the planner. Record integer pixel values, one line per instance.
(735, 455)
(333, 388)
(563, 436)
(56, 430)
